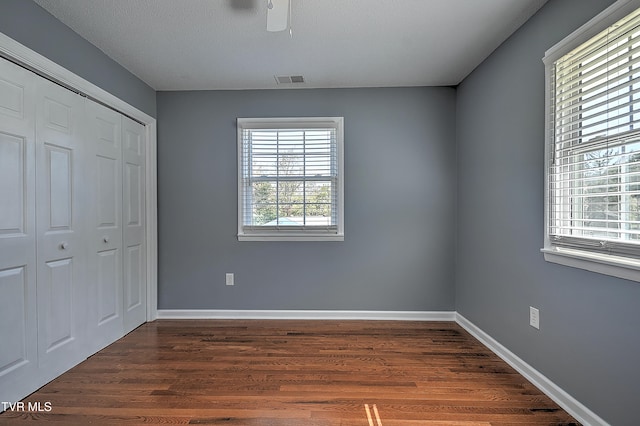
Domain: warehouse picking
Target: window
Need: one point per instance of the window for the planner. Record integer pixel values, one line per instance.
(593, 142)
(290, 179)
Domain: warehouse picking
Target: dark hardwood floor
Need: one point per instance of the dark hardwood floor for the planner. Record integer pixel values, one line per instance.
(290, 373)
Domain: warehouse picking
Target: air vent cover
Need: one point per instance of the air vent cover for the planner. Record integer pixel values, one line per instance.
(289, 79)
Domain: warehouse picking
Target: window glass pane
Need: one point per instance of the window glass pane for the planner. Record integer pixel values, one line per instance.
(289, 175)
(285, 166)
(595, 173)
(290, 164)
(264, 203)
(291, 199)
(319, 197)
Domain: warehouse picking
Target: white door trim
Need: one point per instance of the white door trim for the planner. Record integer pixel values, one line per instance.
(22, 54)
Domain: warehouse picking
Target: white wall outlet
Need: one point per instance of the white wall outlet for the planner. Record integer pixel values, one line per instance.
(534, 317)
(229, 278)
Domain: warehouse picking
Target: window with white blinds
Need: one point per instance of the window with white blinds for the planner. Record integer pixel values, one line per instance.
(290, 178)
(594, 166)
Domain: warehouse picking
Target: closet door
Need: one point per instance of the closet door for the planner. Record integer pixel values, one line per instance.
(135, 273)
(61, 248)
(104, 177)
(18, 336)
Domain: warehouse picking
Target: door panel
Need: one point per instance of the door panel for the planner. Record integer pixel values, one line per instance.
(57, 288)
(135, 276)
(133, 181)
(108, 192)
(12, 184)
(58, 114)
(108, 296)
(104, 143)
(13, 327)
(61, 249)
(18, 334)
(59, 179)
(12, 91)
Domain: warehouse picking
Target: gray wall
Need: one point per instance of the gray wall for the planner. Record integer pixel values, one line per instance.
(401, 171)
(399, 197)
(29, 24)
(588, 343)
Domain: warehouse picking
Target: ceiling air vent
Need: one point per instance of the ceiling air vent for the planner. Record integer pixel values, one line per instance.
(289, 79)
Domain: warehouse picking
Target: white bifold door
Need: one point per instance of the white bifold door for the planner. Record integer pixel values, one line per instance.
(104, 143)
(135, 278)
(116, 146)
(72, 229)
(18, 308)
(62, 295)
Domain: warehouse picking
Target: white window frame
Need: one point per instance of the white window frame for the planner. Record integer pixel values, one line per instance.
(284, 234)
(608, 264)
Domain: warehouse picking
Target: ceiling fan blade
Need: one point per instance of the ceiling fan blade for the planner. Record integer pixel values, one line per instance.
(277, 15)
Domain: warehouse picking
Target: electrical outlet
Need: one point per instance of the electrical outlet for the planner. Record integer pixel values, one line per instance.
(534, 317)
(229, 278)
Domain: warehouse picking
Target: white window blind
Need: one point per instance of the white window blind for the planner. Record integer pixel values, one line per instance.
(290, 177)
(594, 172)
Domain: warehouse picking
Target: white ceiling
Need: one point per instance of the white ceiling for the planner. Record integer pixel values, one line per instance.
(223, 44)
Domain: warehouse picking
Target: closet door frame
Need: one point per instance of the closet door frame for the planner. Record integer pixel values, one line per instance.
(17, 52)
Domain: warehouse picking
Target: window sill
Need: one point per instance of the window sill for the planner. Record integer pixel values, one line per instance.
(290, 237)
(615, 266)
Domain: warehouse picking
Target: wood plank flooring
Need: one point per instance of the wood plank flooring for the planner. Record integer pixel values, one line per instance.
(293, 373)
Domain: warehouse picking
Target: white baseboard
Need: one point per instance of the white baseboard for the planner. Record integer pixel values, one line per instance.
(553, 391)
(307, 315)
